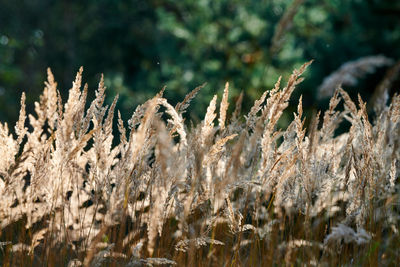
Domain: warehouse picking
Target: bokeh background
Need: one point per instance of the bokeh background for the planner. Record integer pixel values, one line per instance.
(142, 45)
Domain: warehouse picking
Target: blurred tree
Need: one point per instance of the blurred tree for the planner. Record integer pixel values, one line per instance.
(142, 45)
(108, 36)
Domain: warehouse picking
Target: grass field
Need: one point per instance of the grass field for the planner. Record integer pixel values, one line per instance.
(233, 190)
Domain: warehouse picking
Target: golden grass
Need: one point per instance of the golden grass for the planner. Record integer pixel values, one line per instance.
(239, 193)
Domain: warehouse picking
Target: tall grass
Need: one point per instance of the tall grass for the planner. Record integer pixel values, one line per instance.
(229, 191)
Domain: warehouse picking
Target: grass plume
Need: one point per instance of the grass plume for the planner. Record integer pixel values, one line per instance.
(237, 193)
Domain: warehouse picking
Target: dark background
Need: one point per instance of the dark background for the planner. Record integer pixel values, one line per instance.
(140, 46)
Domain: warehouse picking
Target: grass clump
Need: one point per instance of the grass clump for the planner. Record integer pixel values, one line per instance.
(226, 191)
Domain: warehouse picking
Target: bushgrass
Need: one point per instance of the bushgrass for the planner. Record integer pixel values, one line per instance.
(232, 190)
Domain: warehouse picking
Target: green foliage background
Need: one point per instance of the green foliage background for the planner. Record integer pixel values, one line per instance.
(142, 45)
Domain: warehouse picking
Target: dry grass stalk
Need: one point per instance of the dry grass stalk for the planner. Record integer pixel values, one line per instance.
(180, 198)
(284, 25)
(182, 106)
(349, 73)
(224, 107)
(381, 94)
